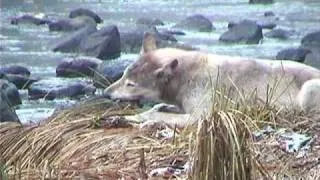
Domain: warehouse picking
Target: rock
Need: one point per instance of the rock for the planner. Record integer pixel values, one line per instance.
(77, 67)
(21, 82)
(110, 71)
(5, 3)
(295, 54)
(232, 24)
(162, 35)
(15, 69)
(51, 89)
(173, 32)
(246, 31)
(195, 23)
(131, 41)
(278, 33)
(29, 19)
(149, 22)
(103, 44)
(71, 43)
(73, 24)
(313, 59)
(267, 23)
(311, 40)
(261, 1)
(268, 13)
(85, 12)
(11, 92)
(7, 113)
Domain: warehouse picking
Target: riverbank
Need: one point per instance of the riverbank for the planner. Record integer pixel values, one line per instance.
(30, 45)
(85, 142)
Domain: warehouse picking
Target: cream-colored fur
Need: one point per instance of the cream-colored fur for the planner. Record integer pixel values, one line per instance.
(188, 78)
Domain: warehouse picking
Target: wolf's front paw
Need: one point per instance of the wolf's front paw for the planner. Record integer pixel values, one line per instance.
(169, 108)
(153, 125)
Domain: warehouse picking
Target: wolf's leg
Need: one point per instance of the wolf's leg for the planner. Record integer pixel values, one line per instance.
(164, 114)
(309, 96)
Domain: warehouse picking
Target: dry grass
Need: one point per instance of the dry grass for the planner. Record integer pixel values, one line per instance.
(84, 143)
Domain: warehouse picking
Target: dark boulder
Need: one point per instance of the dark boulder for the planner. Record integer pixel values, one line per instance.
(71, 43)
(278, 33)
(232, 24)
(7, 112)
(311, 40)
(149, 22)
(74, 24)
(267, 23)
(313, 59)
(15, 69)
(11, 92)
(173, 32)
(195, 23)
(295, 54)
(10, 3)
(85, 12)
(51, 89)
(268, 13)
(131, 41)
(28, 19)
(103, 44)
(110, 71)
(77, 67)
(261, 1)
(244, 32)
(21, 82)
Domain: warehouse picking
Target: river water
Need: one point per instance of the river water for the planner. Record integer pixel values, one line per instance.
(29, 45)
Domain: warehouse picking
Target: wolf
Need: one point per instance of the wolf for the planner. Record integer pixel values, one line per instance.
(189, 80)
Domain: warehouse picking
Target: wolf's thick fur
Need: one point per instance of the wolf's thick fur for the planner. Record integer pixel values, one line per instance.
(187, 79)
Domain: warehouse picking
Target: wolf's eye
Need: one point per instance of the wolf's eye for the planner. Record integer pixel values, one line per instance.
(130, 84)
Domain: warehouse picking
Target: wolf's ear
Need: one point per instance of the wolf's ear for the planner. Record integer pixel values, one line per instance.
(148, 43)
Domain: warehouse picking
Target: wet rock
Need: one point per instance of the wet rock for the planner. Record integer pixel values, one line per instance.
(295, 54)
(15, 69)
(11, 92)
(149, 22)
(110, 71)
(21, 82)
(29, 19)
(173, 32)
(7, 112)
(73, 24)
(5, 3)
(313, 58)
(131, 41)
(51, 89)
(267, 23)
(85, 12)
(311, 40)
(103, 44)
(77, 67)
(244, 32)
(195, 23)
(268, 13)
(71, 43)
(278, 33)
(261, 1)
(163, 35)
(232, 24)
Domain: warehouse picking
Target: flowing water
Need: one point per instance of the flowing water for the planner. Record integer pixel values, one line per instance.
(29, 45)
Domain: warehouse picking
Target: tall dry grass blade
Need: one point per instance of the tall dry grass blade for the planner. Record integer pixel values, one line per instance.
(222, 149)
